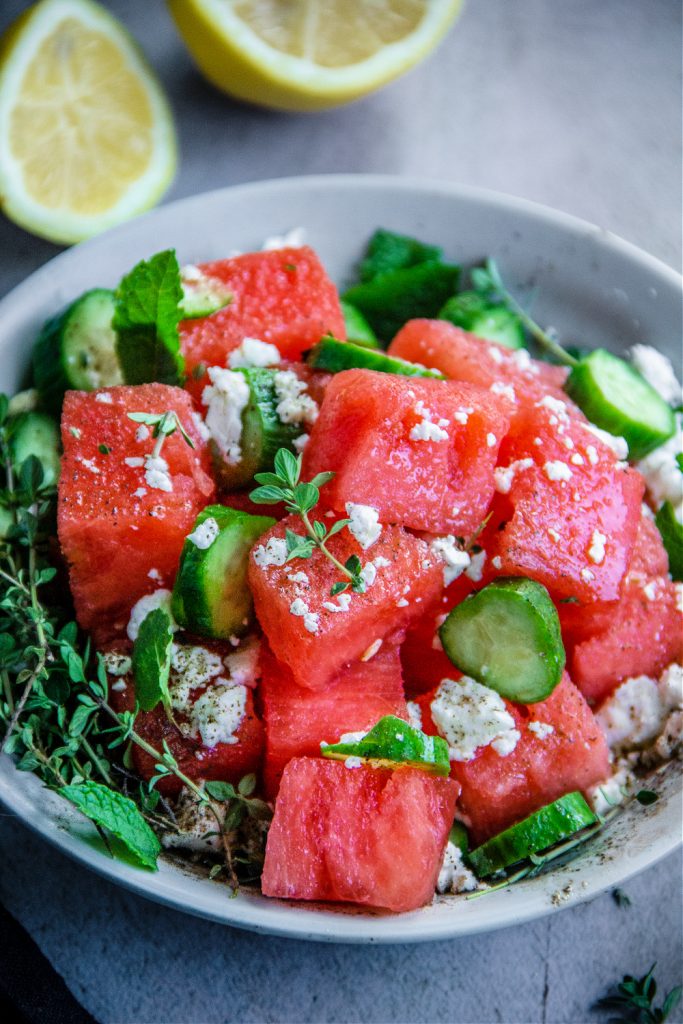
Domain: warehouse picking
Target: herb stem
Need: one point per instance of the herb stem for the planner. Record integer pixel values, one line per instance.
(323, 547)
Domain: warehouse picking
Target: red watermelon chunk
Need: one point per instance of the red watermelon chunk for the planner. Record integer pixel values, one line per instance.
(297, 719)
(318, 642)
(421, 452)
(570, 509)
(422, 656)
(499, 790)
(638, 635)
(228, 762)
(121, 536)
(463, 356)
(283, 297)
(358, 835)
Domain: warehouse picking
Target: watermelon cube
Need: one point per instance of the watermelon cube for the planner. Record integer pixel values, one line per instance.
(358, 835)
(120, 533)
(283, 297)
(298, 719)
(499, 790)
(316, 634)
(421, 452)
(423, 660)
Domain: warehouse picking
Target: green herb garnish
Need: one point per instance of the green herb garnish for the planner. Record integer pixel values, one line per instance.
(633, 999)
(152, 660)
(646, 797)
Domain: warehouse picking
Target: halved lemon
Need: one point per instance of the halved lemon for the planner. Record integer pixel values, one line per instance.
(309, 54)
(86, 134)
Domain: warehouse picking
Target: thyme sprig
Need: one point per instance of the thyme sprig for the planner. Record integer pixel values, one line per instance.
(633, 997)
(163, 425)
(300, 498)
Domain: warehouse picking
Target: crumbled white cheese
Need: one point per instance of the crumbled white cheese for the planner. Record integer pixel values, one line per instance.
(311, 619)
(205, 534)
(298, 577)
(633, 714)
(139, 492)
(142, 433)
(475, 569)
(381, 562)
(556, 406)
(364, 524)
(352, 737)
(554, 535)
(253, 352)
(425, 430)
(155, 575)
(200, 426)
(454, 876)
(243, 664)
(577, 460)
(662, 474)
(226, 398)
(198, 828)
(497, 562)
(462, 414)
(217, 715)
(273, 553)
(191, 666)
(521, 357)
(495, 354)
(294, 405)
(104, 397)
(117, 664)
(504, 475)
(596, 551)
(499, 388)
(353, 762)
(371, 650)
(159, 599)
(343, 603)
(455, 560)
(156, 473)
(541, 729)
(592, 454)
(612, 791)
(135, 462)
(402, 603)
(89, 464)
(650, 590)
(292, 239)
(368, 574)
(657, 371)
(618, 445)
(469, 715)
(587, 575)
(300, 442)
(557, 470)
(491, 440)
(414, 714)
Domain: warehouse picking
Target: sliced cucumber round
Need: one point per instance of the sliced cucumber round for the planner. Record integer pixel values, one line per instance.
(335, 356)
(541, 830)
(470, 311)
(35, 433)
(507, 636)
(358, 330)
(392, 742)
(210, 596)
(615, 397)
(77, 349)
(672, 538)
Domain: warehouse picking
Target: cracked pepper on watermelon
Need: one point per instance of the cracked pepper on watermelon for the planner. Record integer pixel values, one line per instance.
(356, 620)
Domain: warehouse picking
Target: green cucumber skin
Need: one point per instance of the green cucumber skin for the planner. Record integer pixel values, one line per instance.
(553, 654)
(496, 323)
(391, 299)
(198, 602)
(642, 437)
(382, 743)
(335, 356)
(672, 538)
(53, 372)
(36, 433)
(541, 830)
(389, 251)
(358, 330)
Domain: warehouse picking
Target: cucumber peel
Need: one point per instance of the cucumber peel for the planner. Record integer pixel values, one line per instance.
(358, 330)
(494, 322)
(507, 636)
(544, 828)
(334, 356)
(672, 538)
(35, 433)
(392, 742)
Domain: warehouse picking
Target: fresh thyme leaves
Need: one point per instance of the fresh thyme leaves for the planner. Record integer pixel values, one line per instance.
(488, 282)
(633, 997)
(152, 661)
(621, 898)
(301, 498)
(163, 425)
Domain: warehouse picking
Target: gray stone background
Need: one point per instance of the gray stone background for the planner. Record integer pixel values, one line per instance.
(574, 103)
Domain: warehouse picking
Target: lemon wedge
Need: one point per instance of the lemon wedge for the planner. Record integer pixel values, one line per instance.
(86, 134)
(308, 54)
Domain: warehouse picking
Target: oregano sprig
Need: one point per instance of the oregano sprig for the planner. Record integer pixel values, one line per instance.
(300, 498)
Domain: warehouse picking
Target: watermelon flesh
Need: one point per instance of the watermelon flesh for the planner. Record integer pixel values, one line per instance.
(638, 635)
(421, 452)
(298, 719)
(283, 297)
(358, 835)
(405, 579)
(497, 791)
(121, 536)
(423, 660)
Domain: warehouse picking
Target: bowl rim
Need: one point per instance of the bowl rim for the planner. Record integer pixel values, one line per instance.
(254, 912)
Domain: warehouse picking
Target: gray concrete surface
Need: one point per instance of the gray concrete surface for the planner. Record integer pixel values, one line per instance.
(572, 103)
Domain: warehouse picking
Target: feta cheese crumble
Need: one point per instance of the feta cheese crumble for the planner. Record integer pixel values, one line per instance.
(198, 828)
(301, 610)
(469, 715)
(596, 551)
(475, 569)
(117, 664)
(226, 397)
(455, 560)
(243, 664)
(159, 599)
(104, 397)
(205, 534)
(637, 710)
(662, 473)
(657, 371)
(157, 474)
(274, 552)
(557, 470)
(142, 433)
(618, 445)
(504, 475)
(499, 388)
(428, 429)
(253, 352)
(414, 714)
(294, 405)
(541, 729)
(292, 239)
(364, 525)
(217, 715)
(454, 876)
(343, 603)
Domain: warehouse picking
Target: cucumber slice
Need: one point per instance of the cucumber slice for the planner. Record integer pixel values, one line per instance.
(615, 397)
(35, 433)
(391, 742)
(459, 837)
(202, 295)
(263, 433)
(77, 350)
(542, 829)
(470, 311)
(391, 299)
(388, 251)
(358, 330)
(507, 636)
(210, 596)
(335, 356)
(672, 538)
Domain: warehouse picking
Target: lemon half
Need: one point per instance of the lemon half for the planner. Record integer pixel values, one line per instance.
(309, 54)
(86, 134)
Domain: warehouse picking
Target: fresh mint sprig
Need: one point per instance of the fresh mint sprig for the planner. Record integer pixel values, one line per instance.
(300, 498)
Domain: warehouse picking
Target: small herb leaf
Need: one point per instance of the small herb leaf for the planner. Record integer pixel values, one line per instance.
(152, 660)
(117, 814)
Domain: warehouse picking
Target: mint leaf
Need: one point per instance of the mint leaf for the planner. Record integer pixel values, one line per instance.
(117, 814)
(152, 660)
(146, 318)
(287, 466)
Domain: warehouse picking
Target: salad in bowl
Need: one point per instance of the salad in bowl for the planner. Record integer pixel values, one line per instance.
(355, 598)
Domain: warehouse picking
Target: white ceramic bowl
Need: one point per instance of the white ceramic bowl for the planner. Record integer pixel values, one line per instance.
(591, 286)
